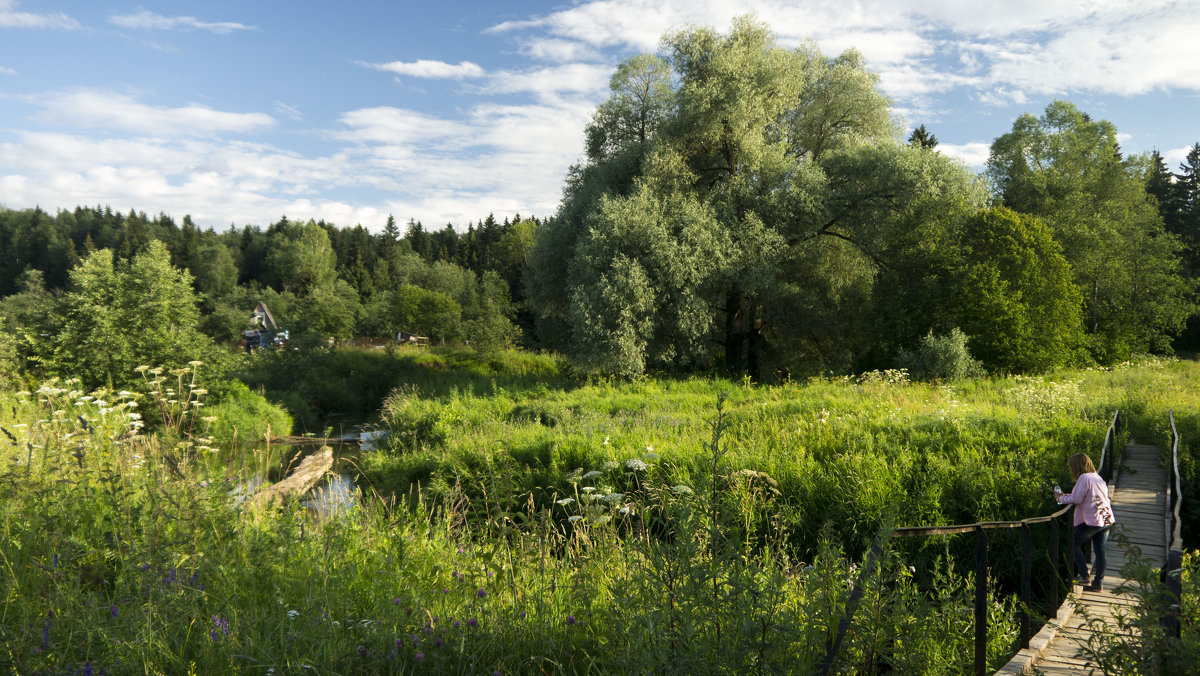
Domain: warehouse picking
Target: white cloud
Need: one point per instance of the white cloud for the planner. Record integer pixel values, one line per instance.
(10, 18)
(1175, 157)
(572, 78)
(7, 71)
(90, 108)
(429, 69)
(554, 49)
(974, 155)
(150, 21)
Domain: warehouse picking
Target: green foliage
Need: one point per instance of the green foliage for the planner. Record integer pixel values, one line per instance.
(1067, 168)
(1018, 302)
(242, 415)
(301, 258)
(759, 209)
(117, 317)
(942, 358)
(426, 313)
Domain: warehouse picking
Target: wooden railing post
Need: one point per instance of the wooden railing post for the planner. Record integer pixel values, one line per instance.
(981, 562)
(1026, 587)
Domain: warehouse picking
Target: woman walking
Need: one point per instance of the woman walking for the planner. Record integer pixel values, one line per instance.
(1093, 518)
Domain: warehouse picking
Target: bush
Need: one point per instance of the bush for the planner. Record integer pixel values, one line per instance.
(942, 358)
(245, 415)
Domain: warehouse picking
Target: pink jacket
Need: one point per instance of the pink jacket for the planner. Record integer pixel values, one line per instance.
(1091, 495)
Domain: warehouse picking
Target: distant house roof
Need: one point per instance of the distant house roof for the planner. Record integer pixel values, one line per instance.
(262, 314)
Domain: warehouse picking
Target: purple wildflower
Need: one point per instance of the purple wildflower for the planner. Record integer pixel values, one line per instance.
(219, 625)
(445, 590)
(570, 619)
(56, 559)
(87, 668)
(396, 600)
(472, 622)
(419, 656)
(437, 643)
(203, 484)
(457, 624)
(481, 593)
(362, 651)
(113, 610)
(416, 640)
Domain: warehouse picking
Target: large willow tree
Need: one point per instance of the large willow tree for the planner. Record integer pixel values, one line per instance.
(735, 207)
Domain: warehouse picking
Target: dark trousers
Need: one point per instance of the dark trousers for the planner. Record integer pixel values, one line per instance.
(1098, 538)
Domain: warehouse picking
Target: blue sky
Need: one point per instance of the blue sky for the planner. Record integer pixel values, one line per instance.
(240, 112)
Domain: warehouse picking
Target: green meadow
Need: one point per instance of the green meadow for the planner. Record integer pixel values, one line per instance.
(520, 519)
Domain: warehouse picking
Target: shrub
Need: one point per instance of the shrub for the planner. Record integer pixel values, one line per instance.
(942, 358)
(244, 414)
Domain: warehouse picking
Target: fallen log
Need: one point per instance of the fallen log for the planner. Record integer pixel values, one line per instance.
(311, 470)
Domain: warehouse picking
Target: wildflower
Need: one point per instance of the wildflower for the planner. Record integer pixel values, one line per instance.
(565, 501)
(203, 484)
(293, 614)
(87, 668)
(572, 519)
(438, 642)
(681, 490)
(481, 593)
(419, 656)
(195, 362)
(635, 465)
(445, 590)
(570, 619)
(472, 622)
(589, 489)
(396, 600)
(113, 610)
(457, 624)
(650, 449)
(592, 474)
(141, 369)
(605, 441)
(651, 456)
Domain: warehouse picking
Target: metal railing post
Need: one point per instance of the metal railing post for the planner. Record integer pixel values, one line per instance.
(981, 562)
(1026, 587)
(1054, 539)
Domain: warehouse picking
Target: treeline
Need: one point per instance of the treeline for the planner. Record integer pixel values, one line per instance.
(765, 196)
(742, 208)
(319, 280)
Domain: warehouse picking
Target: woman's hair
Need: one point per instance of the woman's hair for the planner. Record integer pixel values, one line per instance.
(1080, 463)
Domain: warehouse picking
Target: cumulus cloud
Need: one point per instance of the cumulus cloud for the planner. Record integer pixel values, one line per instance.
(100, 109)
(429, 69)
(150, 21)
(7, 71)
(973, 155)
(10, 18)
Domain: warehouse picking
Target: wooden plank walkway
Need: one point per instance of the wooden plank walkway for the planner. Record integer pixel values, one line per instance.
(1139, 503)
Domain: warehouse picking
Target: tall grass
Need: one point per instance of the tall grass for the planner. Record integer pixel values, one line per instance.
(543, 526)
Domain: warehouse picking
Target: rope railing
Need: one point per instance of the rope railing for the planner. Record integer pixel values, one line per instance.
(1171, 570)
(981, 563)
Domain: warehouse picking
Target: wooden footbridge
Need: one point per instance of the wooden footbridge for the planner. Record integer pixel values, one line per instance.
(1145, 499)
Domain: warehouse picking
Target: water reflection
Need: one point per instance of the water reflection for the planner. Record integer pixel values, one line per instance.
(266, 464)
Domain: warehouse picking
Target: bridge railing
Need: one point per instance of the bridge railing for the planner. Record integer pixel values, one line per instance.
(1171, 570)
(1107, 460)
